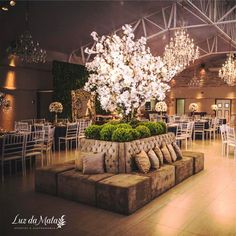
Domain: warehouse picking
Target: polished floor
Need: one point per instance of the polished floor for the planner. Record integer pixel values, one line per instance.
(204, 204)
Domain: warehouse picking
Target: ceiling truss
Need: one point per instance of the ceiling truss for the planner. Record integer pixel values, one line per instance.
(204, 13)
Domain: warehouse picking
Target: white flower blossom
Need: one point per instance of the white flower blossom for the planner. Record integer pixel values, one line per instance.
(161, 107)
(193, 107)
(123, 73)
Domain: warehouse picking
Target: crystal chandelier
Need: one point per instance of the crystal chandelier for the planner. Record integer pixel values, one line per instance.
(180, 51)
(228, 70)
(195, 82)
(27, 49)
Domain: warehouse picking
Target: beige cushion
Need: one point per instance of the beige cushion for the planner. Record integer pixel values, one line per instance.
(166, 154)
(155, 163)
(159, 154)
(143, 162)
(172, 152)
(79, 159)
(177, 151)
(93, 164)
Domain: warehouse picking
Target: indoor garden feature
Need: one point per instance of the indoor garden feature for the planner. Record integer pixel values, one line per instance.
(124, 74)
(125, 132)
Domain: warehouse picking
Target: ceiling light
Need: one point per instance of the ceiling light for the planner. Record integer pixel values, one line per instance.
(228, 71)
(4, 8)
(12, 3)
(180, 51)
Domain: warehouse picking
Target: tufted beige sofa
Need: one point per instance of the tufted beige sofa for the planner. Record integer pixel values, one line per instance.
(121, 189)
(119, 156)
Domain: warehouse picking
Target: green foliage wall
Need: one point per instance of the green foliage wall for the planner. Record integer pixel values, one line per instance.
(67, 77)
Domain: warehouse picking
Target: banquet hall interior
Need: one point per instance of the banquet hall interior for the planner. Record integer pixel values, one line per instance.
(118, 117)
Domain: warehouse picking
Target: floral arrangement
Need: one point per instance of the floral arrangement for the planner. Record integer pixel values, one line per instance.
(4, 103)
(124, 74)
(56, 107)
(193, 107)
(161, 107)
(214, 107)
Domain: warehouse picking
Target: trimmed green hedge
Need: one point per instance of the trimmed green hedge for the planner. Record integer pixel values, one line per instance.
(124, 135)
(107, 131)
(144, 131)
(123, 132)
(93, 131)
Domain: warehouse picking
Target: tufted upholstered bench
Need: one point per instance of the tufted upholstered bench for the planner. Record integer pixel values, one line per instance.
(76, 186)
(160, 180)
(46, 177)
(198, 160)
(183, 169)
(123, 193)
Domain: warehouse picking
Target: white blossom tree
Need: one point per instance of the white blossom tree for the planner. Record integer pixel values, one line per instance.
(123, 73)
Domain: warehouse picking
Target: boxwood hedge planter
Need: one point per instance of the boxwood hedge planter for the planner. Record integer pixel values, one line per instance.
(119, 155)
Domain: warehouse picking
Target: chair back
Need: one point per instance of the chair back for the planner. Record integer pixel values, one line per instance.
(49, 136)
(13, 145)
(190, 128)
(199, 126)
(223, 133)
(38, 127)
(39, 121)
(153, 117)
(72, 130)
(63, 120)
(230, 133)
(83, 124)
(22, 126)
(29, 121)
(34, 142)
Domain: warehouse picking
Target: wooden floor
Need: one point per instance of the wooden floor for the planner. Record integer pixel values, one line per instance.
(205, 204)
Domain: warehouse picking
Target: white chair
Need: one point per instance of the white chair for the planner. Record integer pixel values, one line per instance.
(71, 136)
(38, 127)
(181, 134)
(212, 128)
(12, 149)
(199, 128)
(34, 142)
(231, 140)
(22, 126)
(63, 120)
(39, 121)
(189, 132)
(223, 134)
(29, 121)
(153, 116)
(48, 142)
(83, 124)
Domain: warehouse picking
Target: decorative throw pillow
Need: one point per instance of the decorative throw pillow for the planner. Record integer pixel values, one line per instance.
(79, 159)
(155, 163)
(177, 151)
(143, 162)
(93, 164)
(159, 154)
(166, 155)
(172, 152)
